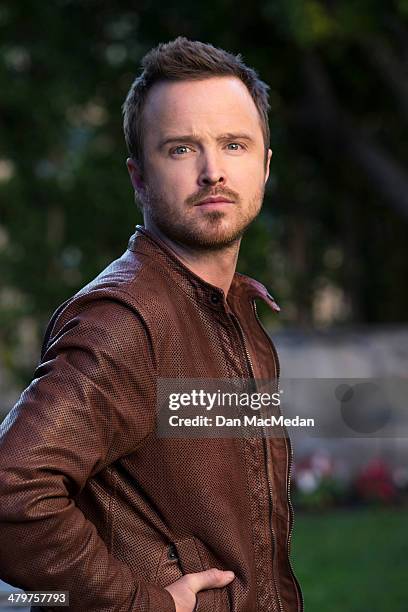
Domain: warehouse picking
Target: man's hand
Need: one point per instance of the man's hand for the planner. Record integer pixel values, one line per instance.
(184, 590)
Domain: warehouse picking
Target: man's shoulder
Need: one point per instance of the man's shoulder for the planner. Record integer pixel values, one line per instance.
(119, 288)
(132, 278)
(132, 274)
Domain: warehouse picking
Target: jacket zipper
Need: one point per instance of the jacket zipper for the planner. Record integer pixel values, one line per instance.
(295, 580)
(251, 370)
(289, 470)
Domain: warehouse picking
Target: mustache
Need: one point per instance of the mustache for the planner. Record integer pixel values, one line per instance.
(210, 192)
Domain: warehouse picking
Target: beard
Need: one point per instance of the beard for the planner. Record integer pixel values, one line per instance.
(213, 230)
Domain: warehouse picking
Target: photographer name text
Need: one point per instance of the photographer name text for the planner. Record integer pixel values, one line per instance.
(245, 421)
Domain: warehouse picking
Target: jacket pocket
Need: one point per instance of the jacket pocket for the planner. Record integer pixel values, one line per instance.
(179, 558)
(189, 555)
(169, 569)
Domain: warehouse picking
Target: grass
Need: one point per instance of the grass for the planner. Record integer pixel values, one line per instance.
(352, 561)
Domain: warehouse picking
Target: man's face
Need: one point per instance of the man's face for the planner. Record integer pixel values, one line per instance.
(204, 161)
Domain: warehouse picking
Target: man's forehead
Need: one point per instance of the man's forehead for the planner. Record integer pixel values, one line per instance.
(191, 104)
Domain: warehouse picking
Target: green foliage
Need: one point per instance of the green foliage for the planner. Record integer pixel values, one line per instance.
(334, 215)
(308, 22)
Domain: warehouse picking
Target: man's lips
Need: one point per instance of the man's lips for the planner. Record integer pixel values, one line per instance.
(215, 200)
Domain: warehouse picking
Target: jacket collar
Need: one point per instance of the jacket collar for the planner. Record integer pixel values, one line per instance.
(242, 287)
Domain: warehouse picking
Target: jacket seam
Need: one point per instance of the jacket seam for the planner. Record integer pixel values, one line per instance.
(247, 469)
(243, 447)
(111, 505)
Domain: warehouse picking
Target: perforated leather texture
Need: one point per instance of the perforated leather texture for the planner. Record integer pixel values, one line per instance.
(93, 501)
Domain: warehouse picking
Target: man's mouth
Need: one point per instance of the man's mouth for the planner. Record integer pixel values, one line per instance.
(211, 200)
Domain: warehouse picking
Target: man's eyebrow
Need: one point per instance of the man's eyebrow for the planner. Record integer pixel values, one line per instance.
(236, 136)
(196, 138)
(182, 138)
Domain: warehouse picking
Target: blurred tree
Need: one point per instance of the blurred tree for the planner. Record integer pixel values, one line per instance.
(336, 210)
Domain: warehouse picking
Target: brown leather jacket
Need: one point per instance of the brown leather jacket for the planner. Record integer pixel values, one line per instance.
(93, 501)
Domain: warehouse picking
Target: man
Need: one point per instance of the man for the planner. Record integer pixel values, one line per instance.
(94, 501)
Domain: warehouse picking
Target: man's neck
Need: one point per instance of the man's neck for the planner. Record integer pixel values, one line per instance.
(216, 267)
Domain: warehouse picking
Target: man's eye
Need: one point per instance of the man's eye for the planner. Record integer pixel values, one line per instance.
(180, 150)
(234, 146)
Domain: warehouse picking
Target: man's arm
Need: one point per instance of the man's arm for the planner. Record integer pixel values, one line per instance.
(72, 421)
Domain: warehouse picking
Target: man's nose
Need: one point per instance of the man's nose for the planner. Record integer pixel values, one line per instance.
(211, 171)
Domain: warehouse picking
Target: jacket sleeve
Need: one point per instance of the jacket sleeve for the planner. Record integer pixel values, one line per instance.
(85, 408)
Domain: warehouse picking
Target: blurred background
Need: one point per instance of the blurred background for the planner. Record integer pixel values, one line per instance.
(330, 244)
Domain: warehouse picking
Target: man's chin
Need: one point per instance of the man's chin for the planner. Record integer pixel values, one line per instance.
(211, 238)
(213, 232)
(215, 243)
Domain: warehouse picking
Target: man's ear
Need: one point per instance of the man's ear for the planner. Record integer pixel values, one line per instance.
(135, 174)
(268, 162)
